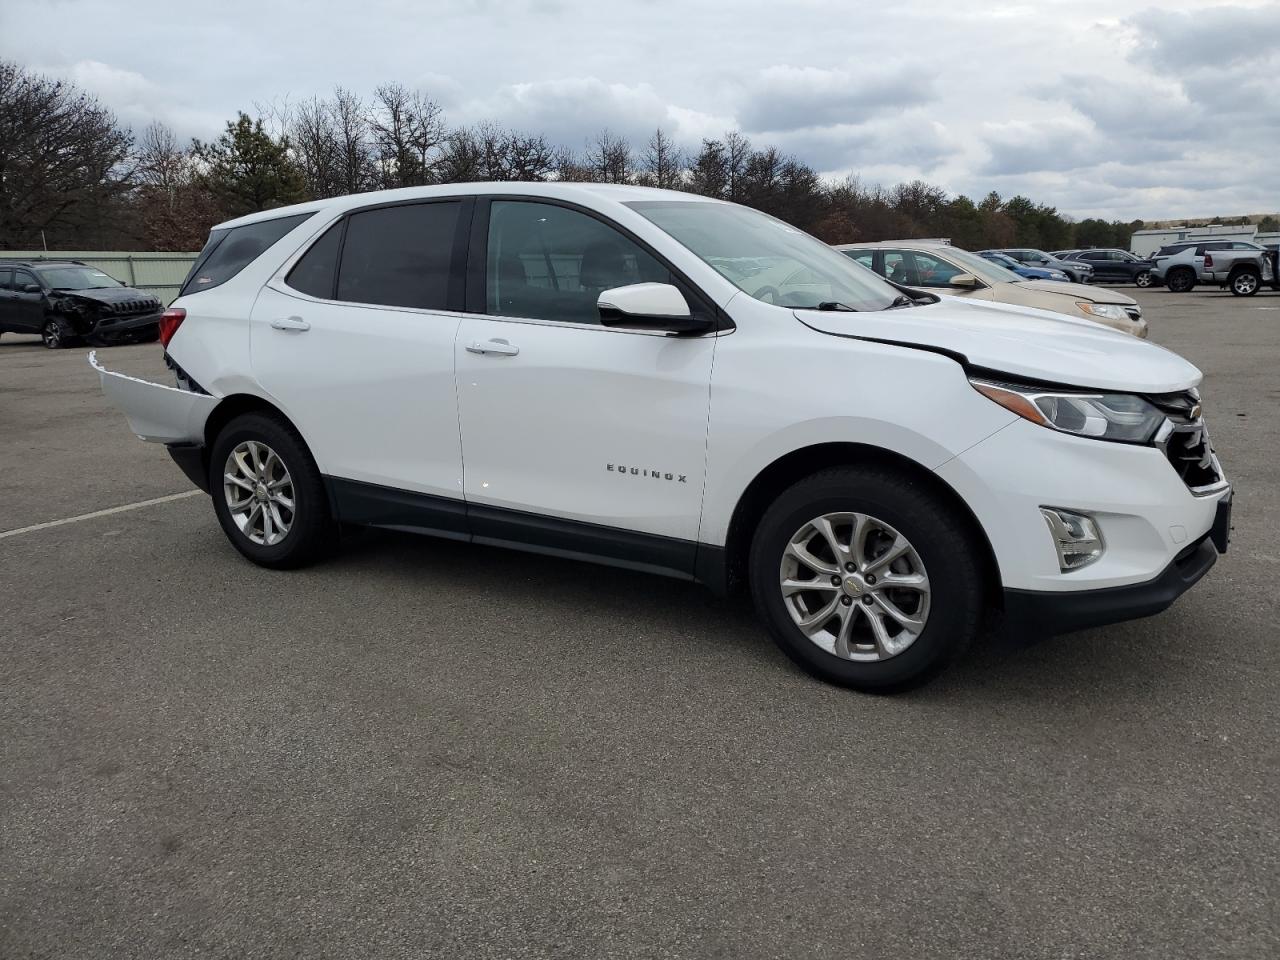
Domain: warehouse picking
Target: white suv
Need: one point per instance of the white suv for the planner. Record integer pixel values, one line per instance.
(684, 387)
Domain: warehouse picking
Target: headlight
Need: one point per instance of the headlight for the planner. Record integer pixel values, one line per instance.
(1057, 275)
(1124, 417)
(1108, 311)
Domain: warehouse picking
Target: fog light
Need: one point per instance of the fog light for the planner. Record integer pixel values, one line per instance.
(1076, 537)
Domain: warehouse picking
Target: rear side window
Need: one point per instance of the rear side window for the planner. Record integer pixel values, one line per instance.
(230, 251)
(317, 272)
(400, 256)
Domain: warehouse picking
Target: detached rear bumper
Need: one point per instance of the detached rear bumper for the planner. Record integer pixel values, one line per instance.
(156, 412)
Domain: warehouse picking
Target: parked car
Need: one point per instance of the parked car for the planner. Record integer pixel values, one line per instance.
(1239, 265)
(65, 301)
(531, 365)
(1063, 254)
(946, 269)
(1027, 273)
(1077, 271)
(1115, 265)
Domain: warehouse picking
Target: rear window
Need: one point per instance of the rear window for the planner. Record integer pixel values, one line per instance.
(230, 251)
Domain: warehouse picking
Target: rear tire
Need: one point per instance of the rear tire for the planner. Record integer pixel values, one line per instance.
(1245, 283)
(939, 619)
(1181, 280)
(268, 493)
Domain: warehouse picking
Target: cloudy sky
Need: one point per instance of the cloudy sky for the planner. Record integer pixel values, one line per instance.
(1101, 107)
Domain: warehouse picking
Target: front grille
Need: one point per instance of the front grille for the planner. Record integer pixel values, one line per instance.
(134, 308)
(1191, 454)
(1135, 313)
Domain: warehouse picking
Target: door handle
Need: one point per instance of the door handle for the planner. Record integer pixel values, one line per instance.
(500, 347)
(290, 323)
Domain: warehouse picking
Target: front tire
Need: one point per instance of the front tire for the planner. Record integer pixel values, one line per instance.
(54, 334)
(1143, 279)
(268, 493)
(867, 579)
(1245, 283)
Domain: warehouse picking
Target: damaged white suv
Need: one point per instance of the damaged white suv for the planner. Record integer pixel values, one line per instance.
(691, 388)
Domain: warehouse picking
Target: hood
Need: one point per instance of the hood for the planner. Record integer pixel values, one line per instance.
(1021, 342)
(112, 296)
(1079, 291)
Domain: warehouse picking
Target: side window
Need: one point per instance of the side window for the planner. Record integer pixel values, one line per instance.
(932, 272)
(22, 279)
(898, 268)
(400, 256)
(865, 257)
(550, 263)
(235, 250)
(6, 279)
(317, 272)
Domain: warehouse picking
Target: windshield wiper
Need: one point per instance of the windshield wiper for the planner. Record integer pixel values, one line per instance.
(901, 300)
(836, 305)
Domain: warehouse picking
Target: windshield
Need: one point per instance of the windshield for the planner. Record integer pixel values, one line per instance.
(77, 278)
(766, 258)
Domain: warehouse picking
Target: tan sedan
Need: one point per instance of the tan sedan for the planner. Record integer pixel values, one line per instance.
(942, 268)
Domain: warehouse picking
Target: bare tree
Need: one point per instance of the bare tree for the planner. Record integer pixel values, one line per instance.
(63, 160)
(357, 168)
(313, 139)
(609, 159)
(408, 129)
(662, 164)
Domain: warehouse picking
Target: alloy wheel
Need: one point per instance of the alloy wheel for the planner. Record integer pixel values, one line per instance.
(51, 334)
(855, 586)
(1244, 284)
(259, 492)
(1143, 279)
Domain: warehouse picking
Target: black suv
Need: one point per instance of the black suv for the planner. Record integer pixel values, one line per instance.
(1115, 265)
(64, 301)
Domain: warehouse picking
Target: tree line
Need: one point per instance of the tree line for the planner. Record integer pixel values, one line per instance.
(71, 177)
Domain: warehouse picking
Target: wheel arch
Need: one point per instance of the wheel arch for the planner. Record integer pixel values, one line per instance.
(804, 461)
(232, 406)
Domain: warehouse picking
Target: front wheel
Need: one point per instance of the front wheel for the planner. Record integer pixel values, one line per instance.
(1143, 279)
(1245, 283)
(1181, 280)
(53, 335)
(268, 493)
(867, 579)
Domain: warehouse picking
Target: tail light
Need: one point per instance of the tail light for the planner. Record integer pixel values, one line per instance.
(170, 321)
(1208, 259)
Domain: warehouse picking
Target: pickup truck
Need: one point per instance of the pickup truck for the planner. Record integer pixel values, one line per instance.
(1236, 264)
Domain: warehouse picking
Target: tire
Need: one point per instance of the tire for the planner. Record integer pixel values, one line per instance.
(943, 549)
(1181, 280)
(1143, 279)
(1245, 283)
(54, 334)
(310, 530)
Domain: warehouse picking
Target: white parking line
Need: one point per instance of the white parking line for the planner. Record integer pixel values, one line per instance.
(101, 513)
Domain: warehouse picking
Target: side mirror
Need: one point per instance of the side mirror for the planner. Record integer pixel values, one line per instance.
(31, 288)
(649, 306)
(963, 280)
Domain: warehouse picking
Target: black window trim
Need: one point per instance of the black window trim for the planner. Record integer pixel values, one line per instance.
(478, 265)
(455, 294)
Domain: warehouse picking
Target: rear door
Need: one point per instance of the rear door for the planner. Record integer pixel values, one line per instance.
(8, 304)
(354, 338)
(577, 437)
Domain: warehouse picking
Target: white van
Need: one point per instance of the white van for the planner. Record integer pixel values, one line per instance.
(686, 387)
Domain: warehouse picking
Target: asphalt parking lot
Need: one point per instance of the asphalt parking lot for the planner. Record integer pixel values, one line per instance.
(426, 748)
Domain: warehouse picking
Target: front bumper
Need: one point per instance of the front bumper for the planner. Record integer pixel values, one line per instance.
(111, 326)
(1032, 613)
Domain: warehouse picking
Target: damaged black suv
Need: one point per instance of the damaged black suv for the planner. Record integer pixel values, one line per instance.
(65, 301)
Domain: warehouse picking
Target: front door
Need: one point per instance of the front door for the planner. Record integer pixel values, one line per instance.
(355, 342)
(27, 308)
(599, 432)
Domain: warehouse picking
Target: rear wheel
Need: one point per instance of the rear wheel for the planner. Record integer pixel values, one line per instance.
(1245, 283)
(867, 579)
(1143, 279)
(1181, 280)
(268, 493)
